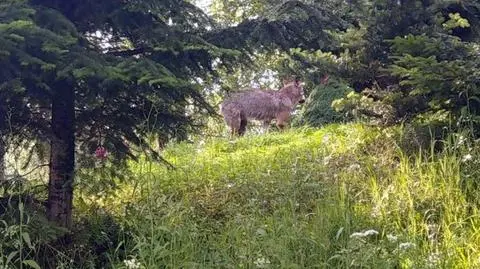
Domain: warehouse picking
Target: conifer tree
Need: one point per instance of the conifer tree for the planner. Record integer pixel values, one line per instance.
(103, 85)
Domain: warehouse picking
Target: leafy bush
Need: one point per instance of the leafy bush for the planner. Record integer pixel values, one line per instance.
(427, 74)
(318, 109)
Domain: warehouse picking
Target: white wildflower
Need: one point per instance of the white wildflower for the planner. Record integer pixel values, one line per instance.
(467, 158)
(261, 232)
(356, 235)
(325, 139)
(230, 185)
(364, 234)
(326, 160)
(392, 238)
(432, 231)
(261, 262)
(354, 167)
(132, 264)
(407, 245)
(375, 212)
(461, 140)
(370, 232)
(433, 260)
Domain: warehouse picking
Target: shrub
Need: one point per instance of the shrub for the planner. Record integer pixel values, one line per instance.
(318, 108)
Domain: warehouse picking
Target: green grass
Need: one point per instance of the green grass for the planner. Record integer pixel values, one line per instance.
(300, 199)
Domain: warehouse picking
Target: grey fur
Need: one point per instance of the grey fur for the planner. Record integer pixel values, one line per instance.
(263, 105)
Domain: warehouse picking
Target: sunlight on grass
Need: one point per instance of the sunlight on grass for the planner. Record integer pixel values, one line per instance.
(338, 197)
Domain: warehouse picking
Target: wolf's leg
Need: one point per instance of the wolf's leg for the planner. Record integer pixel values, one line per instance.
(282, 119)
(236, 127)
(232, 118)
(243, 126)
(266, 125)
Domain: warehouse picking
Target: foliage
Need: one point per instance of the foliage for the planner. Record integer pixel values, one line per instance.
(233, 12)
(362, 107)
(121, 69)
(446, 80)
(336, 196)
(25, 232)
(427, 62)
(318, 108)
(290, 24)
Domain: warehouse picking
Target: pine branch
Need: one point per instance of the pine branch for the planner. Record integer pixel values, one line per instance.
(130, 52)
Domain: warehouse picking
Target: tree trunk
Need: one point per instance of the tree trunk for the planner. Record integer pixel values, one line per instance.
(62, 156)
(3, 149)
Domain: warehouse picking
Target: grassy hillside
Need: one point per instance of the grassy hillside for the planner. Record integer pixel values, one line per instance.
(344, 196)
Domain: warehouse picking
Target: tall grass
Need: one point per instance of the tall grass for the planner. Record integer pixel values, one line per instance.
(344, 196)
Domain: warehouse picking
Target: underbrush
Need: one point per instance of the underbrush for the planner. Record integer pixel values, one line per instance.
(344, 196)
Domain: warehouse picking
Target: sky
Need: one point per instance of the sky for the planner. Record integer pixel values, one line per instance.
(268, 78)
(203, 4)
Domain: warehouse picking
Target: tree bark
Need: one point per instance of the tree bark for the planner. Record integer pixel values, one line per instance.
(62, 156)
(3, 149)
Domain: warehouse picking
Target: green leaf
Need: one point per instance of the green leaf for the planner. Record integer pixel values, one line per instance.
(475, 98)
(32, 264)
(26, 238)
(10, 257)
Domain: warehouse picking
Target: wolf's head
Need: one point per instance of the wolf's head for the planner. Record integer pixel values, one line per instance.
(294, 89)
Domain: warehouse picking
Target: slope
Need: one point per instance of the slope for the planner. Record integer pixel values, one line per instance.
(338, 197)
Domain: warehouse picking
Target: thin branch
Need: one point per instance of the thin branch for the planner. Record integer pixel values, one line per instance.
(31, 171)
(130, 52)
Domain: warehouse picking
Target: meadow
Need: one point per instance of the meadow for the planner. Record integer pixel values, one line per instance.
(343, 196)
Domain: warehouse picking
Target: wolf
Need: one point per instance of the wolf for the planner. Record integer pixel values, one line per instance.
(262, 105)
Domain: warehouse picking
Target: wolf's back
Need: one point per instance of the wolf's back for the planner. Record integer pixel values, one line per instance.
(256, 104)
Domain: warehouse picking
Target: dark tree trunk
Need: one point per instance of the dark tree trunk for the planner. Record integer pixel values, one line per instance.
(62, 156)
(3, 149)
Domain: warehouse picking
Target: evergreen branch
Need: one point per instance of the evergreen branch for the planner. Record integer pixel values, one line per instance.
(130, 52)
